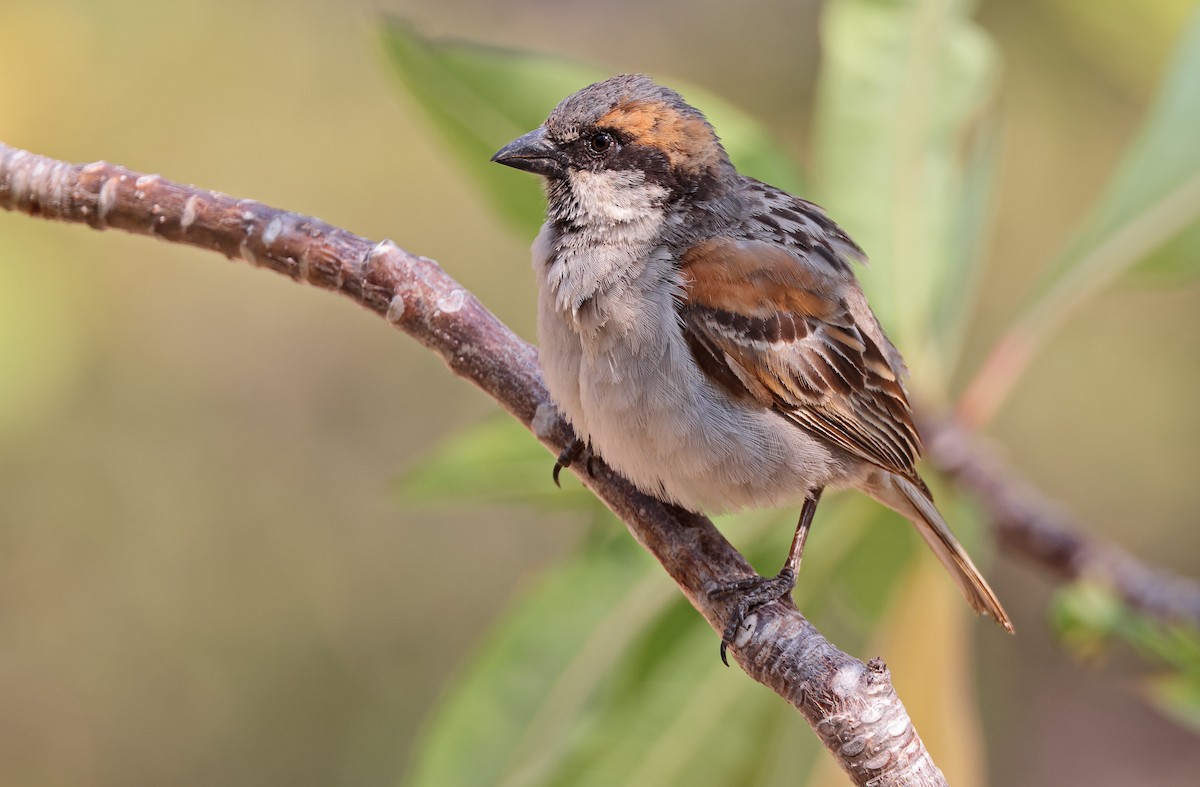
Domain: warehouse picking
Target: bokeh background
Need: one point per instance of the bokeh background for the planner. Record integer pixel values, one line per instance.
(206, 573)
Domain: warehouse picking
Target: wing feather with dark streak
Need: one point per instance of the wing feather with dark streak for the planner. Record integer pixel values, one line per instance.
(773, 327)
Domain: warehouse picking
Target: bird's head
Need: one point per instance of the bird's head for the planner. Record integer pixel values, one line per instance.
(621, 146)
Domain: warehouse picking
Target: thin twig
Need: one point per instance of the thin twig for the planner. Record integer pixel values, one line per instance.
(1040, 530)
(851, 706)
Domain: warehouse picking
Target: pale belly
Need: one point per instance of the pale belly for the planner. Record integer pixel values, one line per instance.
(651, 414)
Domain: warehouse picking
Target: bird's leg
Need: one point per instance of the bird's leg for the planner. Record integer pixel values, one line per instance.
(570, 455)
(755, 591)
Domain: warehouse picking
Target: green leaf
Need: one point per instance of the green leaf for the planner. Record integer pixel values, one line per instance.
(1157, 185)
(1148, 220)
(1089, 618)
(480, 98)
(674, 715)
(903, 87)
(495, 461)
(1149, 216)
(530, 689)
(968, 246)
(1177, 260)
(1086, 616)
(1177, 696)
(603, 674)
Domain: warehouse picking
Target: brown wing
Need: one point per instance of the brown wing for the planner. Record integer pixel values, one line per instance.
(774, 328)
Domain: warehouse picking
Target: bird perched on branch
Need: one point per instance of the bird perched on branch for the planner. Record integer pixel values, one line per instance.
(704, 332)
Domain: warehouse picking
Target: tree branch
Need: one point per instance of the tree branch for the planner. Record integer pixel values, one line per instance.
(1040, 530)
(851, 706)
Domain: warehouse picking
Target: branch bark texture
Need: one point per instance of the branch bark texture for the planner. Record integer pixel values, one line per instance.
(851, 705)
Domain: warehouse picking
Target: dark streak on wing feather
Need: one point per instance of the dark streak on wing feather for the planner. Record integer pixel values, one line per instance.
(770, 330)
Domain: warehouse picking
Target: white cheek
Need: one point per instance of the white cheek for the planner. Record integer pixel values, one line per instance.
(619, 197)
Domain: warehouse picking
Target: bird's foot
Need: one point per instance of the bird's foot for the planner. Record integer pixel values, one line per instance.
(751, 593)
(577, 450)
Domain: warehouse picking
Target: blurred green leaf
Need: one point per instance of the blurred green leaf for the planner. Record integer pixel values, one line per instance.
(495, 461)
(1177, 696)
(1149, 215)
(1085, 616)
(878, 563)
(968, 246)
(1088, 615)
(531, 686)
(1148, 220)
(665, 719)
(602, 674)
(1156, 188)
(1178, 259)
(1089, 618)
(902, 88)
(479, 98)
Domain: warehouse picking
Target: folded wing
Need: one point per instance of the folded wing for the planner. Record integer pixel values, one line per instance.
(781, 329)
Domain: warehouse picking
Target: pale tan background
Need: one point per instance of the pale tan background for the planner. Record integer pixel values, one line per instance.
(204, 575)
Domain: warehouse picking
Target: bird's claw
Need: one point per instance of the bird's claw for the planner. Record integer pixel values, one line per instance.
(570, 455)
(752, 592)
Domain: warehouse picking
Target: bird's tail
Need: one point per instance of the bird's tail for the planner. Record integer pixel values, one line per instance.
(915, 503)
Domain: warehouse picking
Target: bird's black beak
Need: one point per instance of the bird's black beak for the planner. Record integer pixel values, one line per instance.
(533, 153)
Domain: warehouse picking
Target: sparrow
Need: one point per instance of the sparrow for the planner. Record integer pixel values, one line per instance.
(704, 332)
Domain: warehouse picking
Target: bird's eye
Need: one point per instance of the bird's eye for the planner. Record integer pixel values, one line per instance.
(601, 142)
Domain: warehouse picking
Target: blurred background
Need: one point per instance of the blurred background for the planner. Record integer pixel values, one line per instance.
(206, 572)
